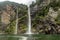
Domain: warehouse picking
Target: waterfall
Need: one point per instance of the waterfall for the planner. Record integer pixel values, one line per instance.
(16, 22)
(29, 22)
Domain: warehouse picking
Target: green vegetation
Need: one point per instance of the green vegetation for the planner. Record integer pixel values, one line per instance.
(55, 5)
(42, 20)
(11, 28)
(12, 9)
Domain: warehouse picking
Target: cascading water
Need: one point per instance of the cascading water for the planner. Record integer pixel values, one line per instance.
(16, 22)
(29, 22)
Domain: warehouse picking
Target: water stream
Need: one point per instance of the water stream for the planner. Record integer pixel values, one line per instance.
(29, 22)
(16, 23)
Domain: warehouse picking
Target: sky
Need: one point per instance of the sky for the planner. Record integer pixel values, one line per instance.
(27, 2)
